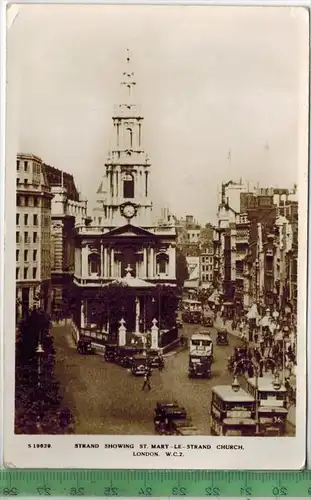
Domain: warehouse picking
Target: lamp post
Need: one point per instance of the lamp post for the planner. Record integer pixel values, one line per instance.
(39, 351)
(236, 386)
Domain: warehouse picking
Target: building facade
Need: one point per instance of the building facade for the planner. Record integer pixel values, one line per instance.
(68, 211)
(33, 235)
(123, 248)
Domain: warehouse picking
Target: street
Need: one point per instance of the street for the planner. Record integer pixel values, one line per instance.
(107, 399)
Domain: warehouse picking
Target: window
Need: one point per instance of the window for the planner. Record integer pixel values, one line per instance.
(35, 220)
(17, 165)
(34, 273)
(162, 261)
(25, 181)
(25, 273)
(35, 237)
(17, 236)
(130, 132)
(26, 237)
(26, 166)
(35, 201)
(17, 255)
(17, 219)
(17, 180)
(94, 264)
(26, 201)
(25, 255)
(17, 273)
(128, 186)
(34, 255)
(26, 219)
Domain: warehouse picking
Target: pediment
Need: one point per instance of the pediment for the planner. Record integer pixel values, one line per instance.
(130, 230)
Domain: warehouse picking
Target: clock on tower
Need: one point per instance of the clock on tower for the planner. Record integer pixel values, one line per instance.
(128, 210)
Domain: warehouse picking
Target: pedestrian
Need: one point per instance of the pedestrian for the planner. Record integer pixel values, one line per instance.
(161, 363)
(146, 380)
(256, 336)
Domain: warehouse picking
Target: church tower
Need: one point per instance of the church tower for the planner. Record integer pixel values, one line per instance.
(124, 191)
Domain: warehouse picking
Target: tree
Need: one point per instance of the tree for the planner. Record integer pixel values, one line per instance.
(182, 272)
(37, 396)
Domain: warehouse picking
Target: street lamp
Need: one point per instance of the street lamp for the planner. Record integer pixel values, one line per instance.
(236, 385)
(39, 351)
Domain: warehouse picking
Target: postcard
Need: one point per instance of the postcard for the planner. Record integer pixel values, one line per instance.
(156, 237)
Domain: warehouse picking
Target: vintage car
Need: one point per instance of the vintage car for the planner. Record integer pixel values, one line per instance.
(199, 366)
(184, 428)
(165, 414)
(155, 358)
(208, 318)
(110, 352)
(222, 337)
(140, 364)
(84, 346)
(125, 355)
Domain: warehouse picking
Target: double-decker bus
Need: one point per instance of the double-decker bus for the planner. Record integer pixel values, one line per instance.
(272, 402)
(232, 413)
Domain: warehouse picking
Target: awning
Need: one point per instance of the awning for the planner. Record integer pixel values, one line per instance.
(253, 312)
(214, 297)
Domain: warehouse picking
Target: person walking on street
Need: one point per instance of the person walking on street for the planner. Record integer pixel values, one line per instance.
(146, 380)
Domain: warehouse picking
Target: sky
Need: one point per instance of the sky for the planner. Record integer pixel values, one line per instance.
(210, 80)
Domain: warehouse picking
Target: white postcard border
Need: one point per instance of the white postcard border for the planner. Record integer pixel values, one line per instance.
(257, 453)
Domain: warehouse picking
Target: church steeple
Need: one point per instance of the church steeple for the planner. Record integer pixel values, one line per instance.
(127, 166)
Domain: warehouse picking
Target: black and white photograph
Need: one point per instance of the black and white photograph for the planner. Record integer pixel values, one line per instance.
(156, 225)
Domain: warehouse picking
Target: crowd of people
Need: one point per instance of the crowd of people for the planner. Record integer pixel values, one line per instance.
(271, 342)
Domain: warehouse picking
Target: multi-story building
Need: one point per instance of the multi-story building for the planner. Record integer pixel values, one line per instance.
(33, 234)
(225, 239)
(68, 211)
(123, 244)
(207, 266)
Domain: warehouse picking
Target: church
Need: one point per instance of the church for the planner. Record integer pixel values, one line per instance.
(125, 263)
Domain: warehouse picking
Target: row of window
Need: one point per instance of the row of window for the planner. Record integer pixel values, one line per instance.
(27, 238)
(207, 260)
(26, 219)
(25, 164)
(19, 164)
(32, 201)
(26, 273)
(207, 277)
(27, 253)
(207, 268)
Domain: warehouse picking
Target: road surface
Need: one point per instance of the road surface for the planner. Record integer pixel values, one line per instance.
(108, 399)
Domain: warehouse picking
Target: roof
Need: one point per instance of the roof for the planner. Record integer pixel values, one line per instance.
(265, 384)
(239, 421)
(226, 393)
(201, 336)
(132, 282)
(272, 409)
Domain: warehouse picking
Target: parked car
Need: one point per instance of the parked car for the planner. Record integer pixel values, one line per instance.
(84, 346)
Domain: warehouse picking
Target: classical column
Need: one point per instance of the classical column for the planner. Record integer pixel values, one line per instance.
(145, 263)
(172, 262)
(105, 262)
(112, 263)
(85, 255)
(137, 314)
(151, 263)
(101, 259)
(82, 313)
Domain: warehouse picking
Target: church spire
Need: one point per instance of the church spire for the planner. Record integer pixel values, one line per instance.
(128, 82)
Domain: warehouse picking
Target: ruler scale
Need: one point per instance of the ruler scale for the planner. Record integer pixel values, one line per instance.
(152, 484)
